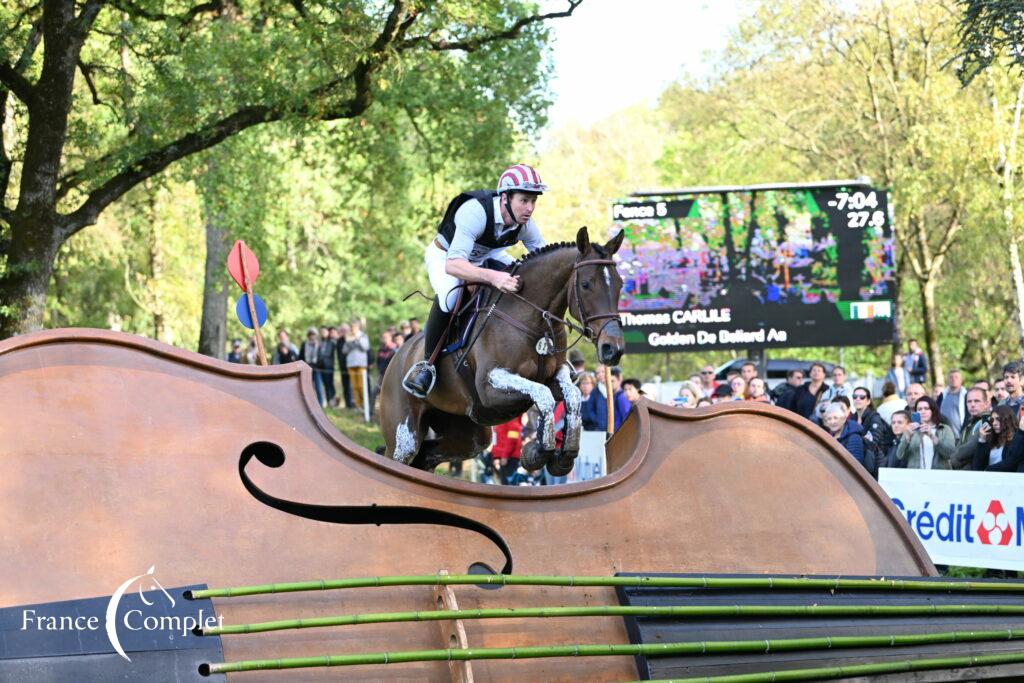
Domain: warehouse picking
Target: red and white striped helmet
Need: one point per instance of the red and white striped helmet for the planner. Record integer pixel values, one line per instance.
(521, 178)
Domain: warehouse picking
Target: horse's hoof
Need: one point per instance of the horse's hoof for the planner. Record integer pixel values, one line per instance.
(559, 467)
(533, 457)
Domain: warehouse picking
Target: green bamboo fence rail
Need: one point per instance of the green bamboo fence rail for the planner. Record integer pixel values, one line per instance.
(823, 673)
(745, 583)
(645, 649)
(688, 611)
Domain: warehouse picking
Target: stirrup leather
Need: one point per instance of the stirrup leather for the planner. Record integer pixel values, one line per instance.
(415, 370)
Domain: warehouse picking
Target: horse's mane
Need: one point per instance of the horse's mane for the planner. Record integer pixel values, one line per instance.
(556, 246)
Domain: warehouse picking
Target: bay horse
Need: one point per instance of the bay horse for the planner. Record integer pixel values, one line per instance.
(508, 369)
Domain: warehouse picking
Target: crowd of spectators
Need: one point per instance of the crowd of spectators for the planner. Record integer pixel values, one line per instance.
(347, 368)
(947, 426)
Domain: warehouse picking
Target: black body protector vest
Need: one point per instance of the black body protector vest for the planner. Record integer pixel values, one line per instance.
(489, 238)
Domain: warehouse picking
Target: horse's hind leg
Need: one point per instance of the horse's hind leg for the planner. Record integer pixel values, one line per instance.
(458, 439)
(404, 428)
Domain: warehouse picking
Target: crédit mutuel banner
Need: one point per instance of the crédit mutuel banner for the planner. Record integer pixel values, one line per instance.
(968, 519)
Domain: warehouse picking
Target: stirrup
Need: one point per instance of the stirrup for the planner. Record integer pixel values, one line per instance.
(413, 372)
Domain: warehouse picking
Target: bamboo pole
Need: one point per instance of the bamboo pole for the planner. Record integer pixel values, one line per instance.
(688, 611)
(634, 650)
(858, 669)
(749, 583)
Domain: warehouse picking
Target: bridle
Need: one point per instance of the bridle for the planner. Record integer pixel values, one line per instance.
(587, 331)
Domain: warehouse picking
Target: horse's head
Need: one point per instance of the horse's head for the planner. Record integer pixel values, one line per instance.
(594, 295)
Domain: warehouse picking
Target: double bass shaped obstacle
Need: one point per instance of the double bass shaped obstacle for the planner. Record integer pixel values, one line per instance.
(122, 455)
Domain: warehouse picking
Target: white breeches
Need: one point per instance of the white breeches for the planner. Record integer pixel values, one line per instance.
(441, 282)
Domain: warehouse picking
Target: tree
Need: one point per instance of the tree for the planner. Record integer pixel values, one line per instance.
(990, 32)
(839, 92)
(161, 82)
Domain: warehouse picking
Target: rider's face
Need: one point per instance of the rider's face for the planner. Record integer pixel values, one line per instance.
(523, 205)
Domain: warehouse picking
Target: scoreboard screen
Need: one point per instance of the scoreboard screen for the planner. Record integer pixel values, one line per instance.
(724, 268)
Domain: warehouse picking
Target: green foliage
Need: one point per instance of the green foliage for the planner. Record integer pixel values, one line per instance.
(808, 91)
(136, 270)
(339, 212)
(990, 32)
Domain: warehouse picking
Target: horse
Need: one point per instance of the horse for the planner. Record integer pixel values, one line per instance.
(518, 360)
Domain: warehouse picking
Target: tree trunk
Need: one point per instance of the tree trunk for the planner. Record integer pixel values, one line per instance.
(24, 284)
(1018, 286)
(213, 330)
(156, 269)
(931, 336)
(1007, 157)
(897, 314)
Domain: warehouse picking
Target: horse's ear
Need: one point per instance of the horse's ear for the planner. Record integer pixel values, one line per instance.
(583, 240)
(615, 242)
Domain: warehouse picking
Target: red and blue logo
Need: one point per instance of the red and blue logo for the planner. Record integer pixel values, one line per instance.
(995, 528)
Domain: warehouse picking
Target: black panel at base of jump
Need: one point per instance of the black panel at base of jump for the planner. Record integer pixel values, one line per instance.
(70, 640)
(690, 629)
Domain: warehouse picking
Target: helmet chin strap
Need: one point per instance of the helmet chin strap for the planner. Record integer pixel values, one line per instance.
(508, 207)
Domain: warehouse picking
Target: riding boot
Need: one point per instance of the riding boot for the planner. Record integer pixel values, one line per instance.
(420, 378)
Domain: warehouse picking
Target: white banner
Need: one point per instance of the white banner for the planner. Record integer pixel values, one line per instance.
(969, 519)
(590, 463)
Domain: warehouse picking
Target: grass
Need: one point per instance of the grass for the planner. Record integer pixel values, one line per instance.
(351, 424)
(367, 434)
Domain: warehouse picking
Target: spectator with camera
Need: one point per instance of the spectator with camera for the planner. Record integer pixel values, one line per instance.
(999, 443)
(927, 444)
(689, 394)
(978, 410)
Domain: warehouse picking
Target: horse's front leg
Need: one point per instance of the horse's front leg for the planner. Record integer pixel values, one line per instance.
(564, 461)
(502, 380)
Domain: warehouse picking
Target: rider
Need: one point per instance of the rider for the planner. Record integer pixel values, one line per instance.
(477, 226)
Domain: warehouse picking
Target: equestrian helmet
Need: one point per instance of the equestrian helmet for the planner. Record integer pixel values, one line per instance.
(521, 178)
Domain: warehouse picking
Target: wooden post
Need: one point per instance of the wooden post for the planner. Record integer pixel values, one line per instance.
(611, 400)
(366, 393)
(261, 352)
(453, 633)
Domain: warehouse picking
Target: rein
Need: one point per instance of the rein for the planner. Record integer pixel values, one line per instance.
(585, 331)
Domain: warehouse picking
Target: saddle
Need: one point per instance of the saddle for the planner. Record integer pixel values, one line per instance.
(464, 319)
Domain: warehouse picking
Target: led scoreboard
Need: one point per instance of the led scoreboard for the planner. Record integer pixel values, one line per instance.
(757, 267)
